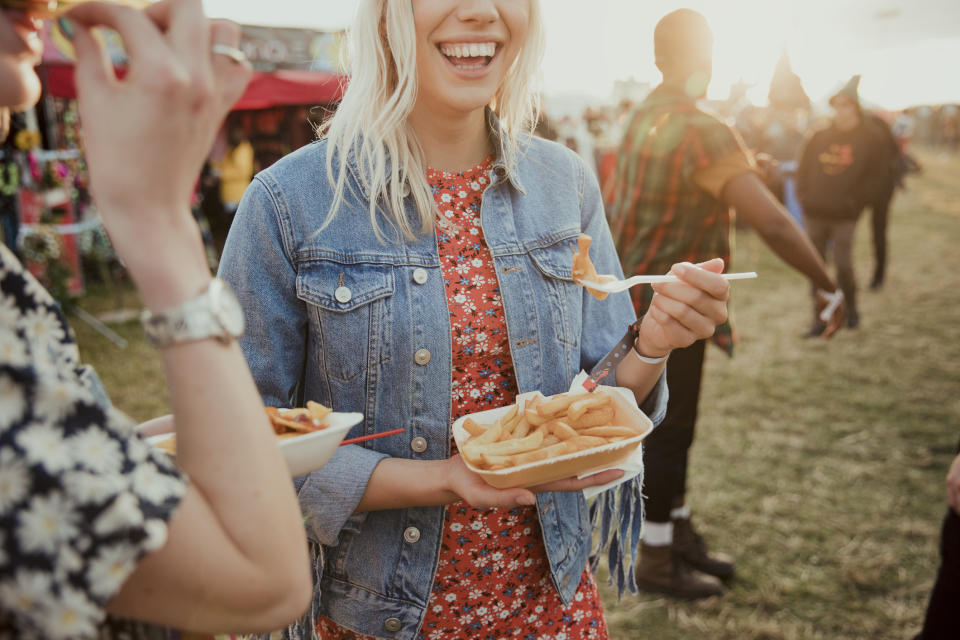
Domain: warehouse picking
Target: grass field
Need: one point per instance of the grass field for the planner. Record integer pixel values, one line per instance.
(818, 465)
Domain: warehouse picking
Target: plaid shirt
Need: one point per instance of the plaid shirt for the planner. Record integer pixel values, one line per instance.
(663, 212)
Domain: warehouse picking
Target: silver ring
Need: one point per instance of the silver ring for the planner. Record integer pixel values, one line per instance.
(233, 53)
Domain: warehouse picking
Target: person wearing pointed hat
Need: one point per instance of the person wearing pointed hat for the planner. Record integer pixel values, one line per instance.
(839, 174)
(680, 170)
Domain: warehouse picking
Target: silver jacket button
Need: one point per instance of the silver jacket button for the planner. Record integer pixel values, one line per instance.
(411, 534)
(343, 295)
(419, 275)
(419, 444)
(392, 624)
(421, 357)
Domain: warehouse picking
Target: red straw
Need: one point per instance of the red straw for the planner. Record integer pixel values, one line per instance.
(372, 436)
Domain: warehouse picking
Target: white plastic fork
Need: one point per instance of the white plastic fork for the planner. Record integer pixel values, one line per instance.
(622, 285)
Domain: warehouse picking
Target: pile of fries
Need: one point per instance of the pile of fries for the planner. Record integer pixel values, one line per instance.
(547, 428)
(286, 423)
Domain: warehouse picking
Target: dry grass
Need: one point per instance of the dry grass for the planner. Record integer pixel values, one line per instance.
(818, 465)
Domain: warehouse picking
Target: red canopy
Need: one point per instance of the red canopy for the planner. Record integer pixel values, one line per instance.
(282, 87)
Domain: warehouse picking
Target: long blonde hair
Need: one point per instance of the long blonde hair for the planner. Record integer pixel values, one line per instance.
(370, 125)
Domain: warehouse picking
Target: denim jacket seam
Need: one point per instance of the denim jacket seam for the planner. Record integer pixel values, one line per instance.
(280, 213)
(375, 594)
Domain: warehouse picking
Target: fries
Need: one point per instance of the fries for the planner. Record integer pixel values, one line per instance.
(286, 423)
(547, 428)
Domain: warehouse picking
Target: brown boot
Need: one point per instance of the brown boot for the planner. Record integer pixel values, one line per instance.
(689, 545)
(661, 571)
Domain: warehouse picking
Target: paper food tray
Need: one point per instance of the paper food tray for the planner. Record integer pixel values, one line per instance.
(626, 413)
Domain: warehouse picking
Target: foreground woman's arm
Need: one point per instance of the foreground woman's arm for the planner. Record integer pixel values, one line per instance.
(235, 558)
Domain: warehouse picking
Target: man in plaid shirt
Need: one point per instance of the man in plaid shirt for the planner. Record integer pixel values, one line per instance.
(680, 170)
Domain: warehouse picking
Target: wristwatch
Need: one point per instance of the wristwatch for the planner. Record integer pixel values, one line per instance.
(215, 313)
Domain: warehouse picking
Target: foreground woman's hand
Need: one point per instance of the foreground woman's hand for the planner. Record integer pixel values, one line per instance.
(474, 490)
(683, 312)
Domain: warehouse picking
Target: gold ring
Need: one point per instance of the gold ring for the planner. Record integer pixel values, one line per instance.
(233, 53)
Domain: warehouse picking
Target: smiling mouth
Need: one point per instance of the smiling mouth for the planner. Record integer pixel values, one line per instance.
(468, 56)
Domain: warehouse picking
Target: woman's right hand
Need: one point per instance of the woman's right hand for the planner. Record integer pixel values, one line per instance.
(474, 490)
(146, 136)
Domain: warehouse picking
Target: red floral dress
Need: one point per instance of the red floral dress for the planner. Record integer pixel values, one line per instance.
(493, 577)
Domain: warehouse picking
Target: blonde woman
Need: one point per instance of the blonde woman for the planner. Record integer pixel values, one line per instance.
(414, 265)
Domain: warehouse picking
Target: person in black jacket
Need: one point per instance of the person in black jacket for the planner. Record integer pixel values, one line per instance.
(839, 174)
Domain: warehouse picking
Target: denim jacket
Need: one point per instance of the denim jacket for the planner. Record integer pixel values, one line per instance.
(344, 319)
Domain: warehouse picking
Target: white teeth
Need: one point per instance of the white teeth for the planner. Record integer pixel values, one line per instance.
(469, 49)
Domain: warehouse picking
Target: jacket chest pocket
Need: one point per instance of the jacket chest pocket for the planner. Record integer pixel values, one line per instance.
(349, 314)
(553, 263)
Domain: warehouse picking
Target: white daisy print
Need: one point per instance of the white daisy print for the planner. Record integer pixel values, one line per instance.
(109, 569)
(123, 513)
(42, 326)
(45, 445)
(13, 403)
(96, 450)
(72, 615)
(48, 521)
(14, 480)
(26, 592)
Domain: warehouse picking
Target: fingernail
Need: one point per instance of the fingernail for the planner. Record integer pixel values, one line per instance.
(680, 269)
(527, 501)
(66, 27)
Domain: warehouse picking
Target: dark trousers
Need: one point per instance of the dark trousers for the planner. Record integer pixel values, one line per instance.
(838, 235)
(665, 450)
(879, 216)
(942, 621)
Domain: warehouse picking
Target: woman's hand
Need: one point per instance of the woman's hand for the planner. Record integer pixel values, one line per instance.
(146, 136)
(683, 312)
(953, 485)
(472, 489)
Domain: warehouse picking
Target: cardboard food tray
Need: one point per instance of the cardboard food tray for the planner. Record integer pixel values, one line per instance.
(626, 413)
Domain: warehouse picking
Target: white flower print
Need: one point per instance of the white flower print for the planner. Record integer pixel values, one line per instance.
(56, 398)
(446, 198)
(95, 450)
(578, 596)
(475, 594)
(13, 404)
(456, 526)
(156, 532)
(9, 312)
(154, 486)
(459, 298)
(475, 393)
(44, 444)
(476, 263)
(13, 352)
(122, 514)
(462, 194)
(42, 326)
(92, 488)
(438, 608)
(475, 186)
(478, 280)
(450, 597)
(474, 231)
(109, 569)
(26, 592)
(14, 480)
(48, 521)
(72, 615)
(33, 288)
(481, 611)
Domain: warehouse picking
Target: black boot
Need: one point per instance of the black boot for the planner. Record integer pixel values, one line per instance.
(689, 545)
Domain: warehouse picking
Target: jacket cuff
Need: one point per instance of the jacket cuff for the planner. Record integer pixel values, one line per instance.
(330, 495)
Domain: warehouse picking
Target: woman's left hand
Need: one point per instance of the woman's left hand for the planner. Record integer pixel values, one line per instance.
(683, 312)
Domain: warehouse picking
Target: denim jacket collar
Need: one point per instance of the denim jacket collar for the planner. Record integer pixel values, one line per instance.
(495, 132)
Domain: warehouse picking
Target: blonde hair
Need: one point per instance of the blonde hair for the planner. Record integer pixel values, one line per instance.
(370, 125)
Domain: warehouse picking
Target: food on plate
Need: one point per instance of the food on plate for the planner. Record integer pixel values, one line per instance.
(546, 428)
(286, 423)
(583, 268)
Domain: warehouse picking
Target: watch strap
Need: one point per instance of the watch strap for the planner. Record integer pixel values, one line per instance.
(627, 344)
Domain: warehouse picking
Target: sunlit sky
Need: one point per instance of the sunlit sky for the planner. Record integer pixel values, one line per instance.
(907, 51)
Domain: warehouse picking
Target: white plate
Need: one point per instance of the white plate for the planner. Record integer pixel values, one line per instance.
(310, 451)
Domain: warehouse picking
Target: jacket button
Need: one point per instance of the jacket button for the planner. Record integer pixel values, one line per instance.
(418, 444)
(343, 295)
(421, 357)
(392, 624)
(411, 535)
(419, 275)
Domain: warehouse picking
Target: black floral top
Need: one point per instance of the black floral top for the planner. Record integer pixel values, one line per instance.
(82, 497)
